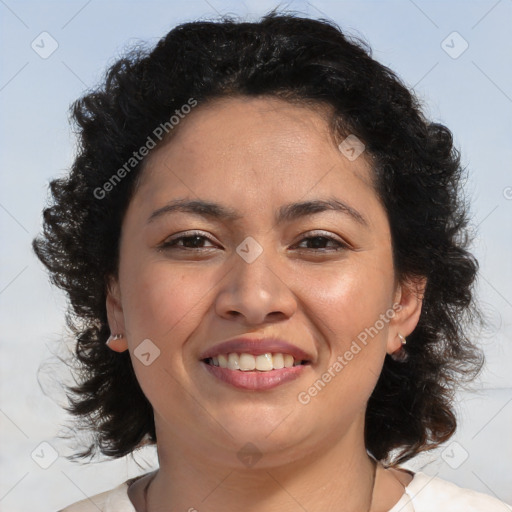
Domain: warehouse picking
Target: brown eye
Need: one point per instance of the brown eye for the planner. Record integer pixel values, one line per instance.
(189, 241)
(319, 241)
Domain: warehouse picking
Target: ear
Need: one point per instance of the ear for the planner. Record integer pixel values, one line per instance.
(115, 316)
(407, 304)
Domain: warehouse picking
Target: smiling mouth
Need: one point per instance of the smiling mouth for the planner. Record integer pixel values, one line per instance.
(248, 362)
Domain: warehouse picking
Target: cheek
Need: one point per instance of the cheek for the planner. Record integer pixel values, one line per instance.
(350, 300)
(347, 307)
(163, 305)
(160, 301)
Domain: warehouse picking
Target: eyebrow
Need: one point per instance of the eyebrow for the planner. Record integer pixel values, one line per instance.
(285, 213)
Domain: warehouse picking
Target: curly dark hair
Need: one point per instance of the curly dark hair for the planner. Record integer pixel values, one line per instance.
(417, 176)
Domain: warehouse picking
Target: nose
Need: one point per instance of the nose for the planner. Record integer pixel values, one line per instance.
(257, 292)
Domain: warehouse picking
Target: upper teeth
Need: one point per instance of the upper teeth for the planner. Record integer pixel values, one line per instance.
(247, 362)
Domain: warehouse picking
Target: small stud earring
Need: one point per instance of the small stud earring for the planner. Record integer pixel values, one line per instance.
(113, 338)
(400, 355)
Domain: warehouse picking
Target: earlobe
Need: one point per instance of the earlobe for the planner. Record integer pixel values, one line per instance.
(401, 354)
(409, 298)
(117, 340)
(117, 343)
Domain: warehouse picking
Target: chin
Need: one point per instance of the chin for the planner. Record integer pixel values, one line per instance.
(268, 432)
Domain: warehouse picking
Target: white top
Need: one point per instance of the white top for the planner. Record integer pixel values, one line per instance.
(423, 494)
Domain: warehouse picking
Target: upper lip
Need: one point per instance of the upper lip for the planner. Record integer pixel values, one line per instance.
(257, 346)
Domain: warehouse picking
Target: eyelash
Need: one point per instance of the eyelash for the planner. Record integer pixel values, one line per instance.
(172, 244)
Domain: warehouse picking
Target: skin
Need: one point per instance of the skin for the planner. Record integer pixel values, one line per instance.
(255, 155)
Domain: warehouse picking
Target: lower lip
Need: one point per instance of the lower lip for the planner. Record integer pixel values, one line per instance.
(256, 380)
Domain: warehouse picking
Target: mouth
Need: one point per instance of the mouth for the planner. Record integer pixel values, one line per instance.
(251, 372)
(255, 364)
(245, 362)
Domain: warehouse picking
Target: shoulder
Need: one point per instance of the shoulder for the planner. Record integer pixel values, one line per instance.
(114, 500)
(429, 493)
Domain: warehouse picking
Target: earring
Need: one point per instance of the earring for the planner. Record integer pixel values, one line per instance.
(113, 338)
(400, 355)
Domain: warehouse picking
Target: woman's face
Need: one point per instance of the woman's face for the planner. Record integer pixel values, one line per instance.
(256, 264)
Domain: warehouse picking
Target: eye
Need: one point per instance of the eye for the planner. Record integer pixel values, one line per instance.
(191, 241)
(320, 239)
(195, 240)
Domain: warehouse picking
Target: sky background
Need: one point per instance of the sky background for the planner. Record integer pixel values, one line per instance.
(464, 80)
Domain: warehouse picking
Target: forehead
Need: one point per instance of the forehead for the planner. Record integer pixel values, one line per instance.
(264, 134)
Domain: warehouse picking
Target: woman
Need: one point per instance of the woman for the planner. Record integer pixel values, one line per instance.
(270, 238)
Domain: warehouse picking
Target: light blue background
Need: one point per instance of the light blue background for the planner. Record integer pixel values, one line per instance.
(471, 94)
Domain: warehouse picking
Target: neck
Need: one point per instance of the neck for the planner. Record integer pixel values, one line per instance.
(339, 477)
